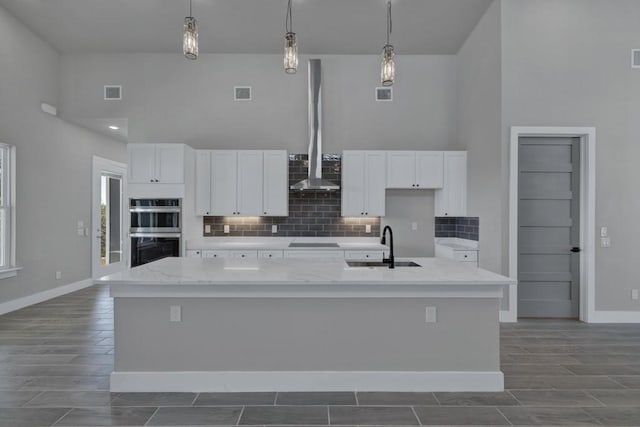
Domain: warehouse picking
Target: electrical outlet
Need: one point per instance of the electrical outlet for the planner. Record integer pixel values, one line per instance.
(175, 313)
(274, 229)
(367, 228)
(430, 315)
(414, 226)
(605, 242)
(80, 232)
(58, 275)
(80, 224)
(207, 228)
(634, 294)
(226, 229)
(604, 232)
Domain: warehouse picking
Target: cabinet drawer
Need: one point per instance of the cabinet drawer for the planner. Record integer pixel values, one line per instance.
(314, 254)
(243, 254)
(194, 254)
(466, 255)
(363, 255)
(215, 254)
(270, 254)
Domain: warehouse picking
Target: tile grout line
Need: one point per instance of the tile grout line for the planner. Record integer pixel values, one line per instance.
(588, 393)
(328, 415)
(355, 393)
(275, 398)
(503, 415)
(194, 399)
(152, 415)
(416, 415)
(60, 419)
(37, 395)
(240, 415)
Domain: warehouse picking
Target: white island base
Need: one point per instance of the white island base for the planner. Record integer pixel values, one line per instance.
(305, 325)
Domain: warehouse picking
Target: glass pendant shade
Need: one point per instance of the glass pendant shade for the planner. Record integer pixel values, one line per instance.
(190, 38)
(290, 53)
(388, 70)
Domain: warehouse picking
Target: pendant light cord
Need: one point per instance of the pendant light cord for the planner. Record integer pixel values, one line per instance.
(389, 21)
(289, 19)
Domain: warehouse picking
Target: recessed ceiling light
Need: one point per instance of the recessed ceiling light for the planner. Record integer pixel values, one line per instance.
(112, 127)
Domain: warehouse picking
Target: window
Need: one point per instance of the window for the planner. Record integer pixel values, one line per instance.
(7, 214)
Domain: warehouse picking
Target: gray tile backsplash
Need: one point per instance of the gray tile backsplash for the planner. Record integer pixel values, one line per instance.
(311, 213)
(460, 227)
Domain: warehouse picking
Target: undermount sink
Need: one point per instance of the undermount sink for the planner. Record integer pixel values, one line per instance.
(381, 264)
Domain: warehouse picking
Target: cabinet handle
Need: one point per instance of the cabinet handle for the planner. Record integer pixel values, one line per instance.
(361, 213)
(366, 213)
(150, 180)
(413, 185)
(417, 185)
(366, 256)
(270, 255)
(242, 255)
(265, 212)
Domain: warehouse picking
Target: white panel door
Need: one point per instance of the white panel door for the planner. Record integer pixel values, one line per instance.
(224, 169)
(353, 183)
(250, 183)
(276, 183)
(375, 183)
(429, 169)
(170, 163)
(203, 182)
(401, 169)
(142, 163)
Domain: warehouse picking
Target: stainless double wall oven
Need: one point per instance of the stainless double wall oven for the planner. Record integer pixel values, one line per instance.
(156, 229)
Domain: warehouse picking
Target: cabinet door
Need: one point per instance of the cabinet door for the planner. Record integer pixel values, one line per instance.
(276, 183)
(353, 183)
(142, 163)
(401, 169)
(429, 169)
(243, 254)
(250, 182)
(375, 183)
(224, 179)
(170, 163)
(314, 254)
(452, 199)
(215, 254)
(203, 182)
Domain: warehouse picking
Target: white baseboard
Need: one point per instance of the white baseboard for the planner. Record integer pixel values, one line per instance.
(602, 316)
(17, 304)
(305, 381)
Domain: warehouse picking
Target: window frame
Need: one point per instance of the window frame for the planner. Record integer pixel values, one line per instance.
(7, 206)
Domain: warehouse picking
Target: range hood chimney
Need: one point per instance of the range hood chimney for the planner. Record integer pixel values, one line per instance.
(315, 181)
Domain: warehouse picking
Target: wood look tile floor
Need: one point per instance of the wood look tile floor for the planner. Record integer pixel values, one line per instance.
(55, 360)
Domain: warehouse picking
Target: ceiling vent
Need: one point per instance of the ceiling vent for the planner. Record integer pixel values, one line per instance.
(384, 94)
(242, 93)
(113, 93)
(635, 58)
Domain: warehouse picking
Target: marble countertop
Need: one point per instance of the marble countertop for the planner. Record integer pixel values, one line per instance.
(457, 244)
(282, 243)
(225, 277)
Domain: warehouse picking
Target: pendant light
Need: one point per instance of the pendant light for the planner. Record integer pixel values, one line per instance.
(388, 71)
(190, 36)
(290, 45)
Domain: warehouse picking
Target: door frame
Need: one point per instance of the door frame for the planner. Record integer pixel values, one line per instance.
(587, 136)
(99, 164)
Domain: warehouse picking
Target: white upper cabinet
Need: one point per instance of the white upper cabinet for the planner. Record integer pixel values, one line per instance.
(242, 183)
(276, 183)
(156, 163)
(363, 183)
(452, 199)
(250, 183)
(415, 169)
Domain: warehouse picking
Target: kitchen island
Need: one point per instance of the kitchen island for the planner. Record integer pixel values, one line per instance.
(186, 324)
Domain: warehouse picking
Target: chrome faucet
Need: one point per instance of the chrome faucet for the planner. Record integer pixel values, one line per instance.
(383, 240)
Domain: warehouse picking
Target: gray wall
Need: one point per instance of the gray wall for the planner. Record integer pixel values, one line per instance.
(53, 165)
(479, 131)
(567, 63)
(407, 206)
(170, 99)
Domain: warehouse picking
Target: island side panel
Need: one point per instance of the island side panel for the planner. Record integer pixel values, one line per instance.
(298, 334)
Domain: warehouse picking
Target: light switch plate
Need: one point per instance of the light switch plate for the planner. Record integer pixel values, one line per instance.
(430, 315)
(175, 313)
(226, 229)
(605, 242)
(604, 232)
(80, 224)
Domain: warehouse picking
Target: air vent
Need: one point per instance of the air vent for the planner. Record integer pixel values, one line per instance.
(635, 58)
(113, 93)
(384, 94)
(242, 93)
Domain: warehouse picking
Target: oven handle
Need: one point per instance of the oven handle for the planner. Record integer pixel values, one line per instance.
(155, 209)
(178, 235)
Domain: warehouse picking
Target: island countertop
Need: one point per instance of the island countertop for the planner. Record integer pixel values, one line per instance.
(195, 277)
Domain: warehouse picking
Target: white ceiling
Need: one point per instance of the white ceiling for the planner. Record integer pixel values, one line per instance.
(250, 26)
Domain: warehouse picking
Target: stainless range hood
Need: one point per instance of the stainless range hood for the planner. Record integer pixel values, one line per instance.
(315, 181)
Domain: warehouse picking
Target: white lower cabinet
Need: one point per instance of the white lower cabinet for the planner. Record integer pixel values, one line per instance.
(469, 256)
(313, 254)
(364, 255)
(270, 254)
(243, 254)
(214, 254)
